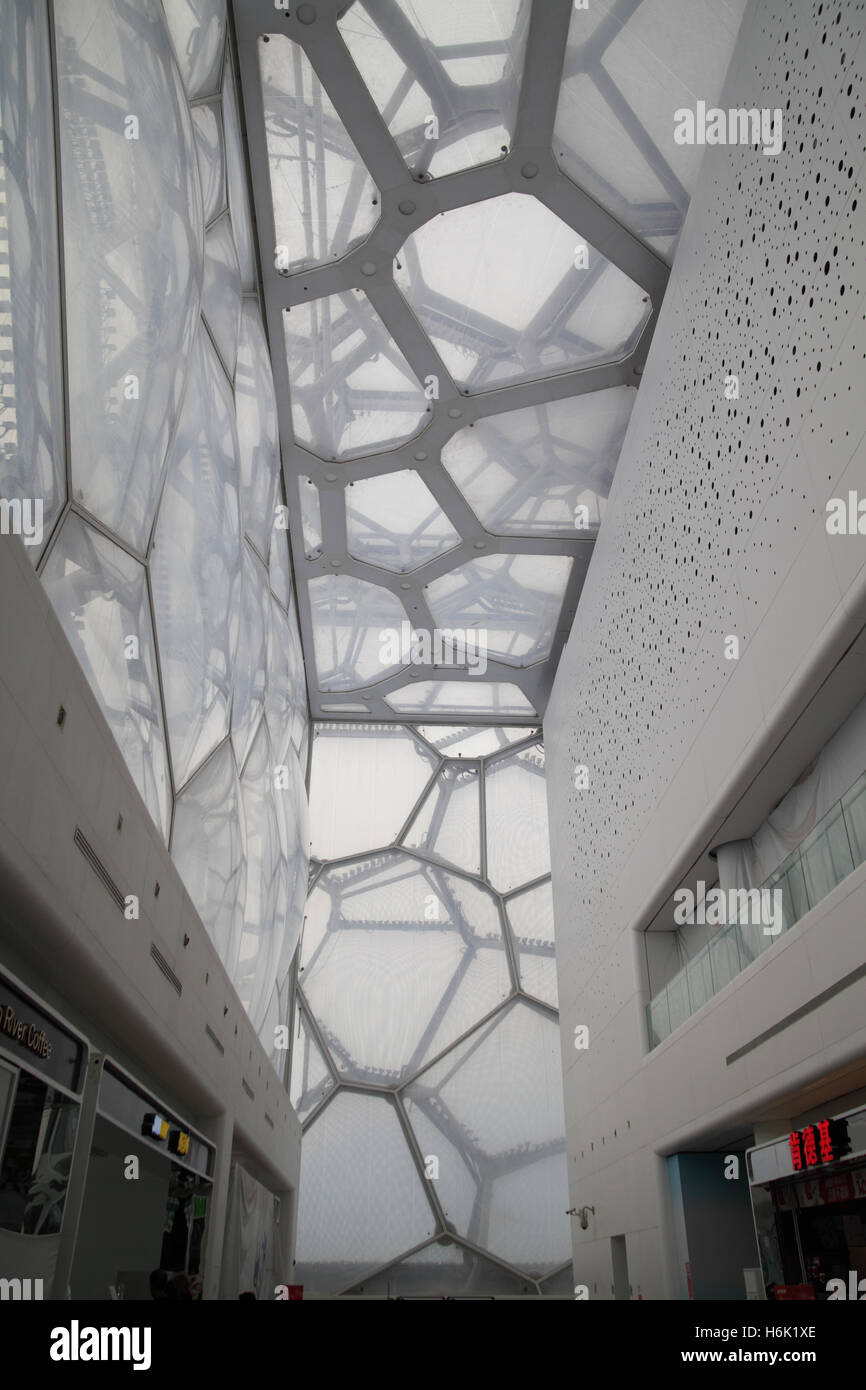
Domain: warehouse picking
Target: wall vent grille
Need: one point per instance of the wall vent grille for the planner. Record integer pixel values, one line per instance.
(162, 964)
(99, 868)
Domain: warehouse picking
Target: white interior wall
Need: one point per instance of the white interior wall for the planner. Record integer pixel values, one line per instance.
(715, 527)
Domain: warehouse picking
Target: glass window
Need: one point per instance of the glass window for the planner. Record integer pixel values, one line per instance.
(658, 1019)
(36, 1158)
(826, 856)
(700, 980)
(724, 958)
(678, 1000)
(854, 807)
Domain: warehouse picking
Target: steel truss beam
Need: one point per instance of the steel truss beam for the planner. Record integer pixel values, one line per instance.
(407, 203)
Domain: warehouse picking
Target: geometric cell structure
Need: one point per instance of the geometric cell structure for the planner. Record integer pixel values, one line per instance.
(170, 570)
(285, 703)
(364, 783)
(511, 603)
(400, 958)
(325, 201)
(518, 842)
(258, 438)
(468, 741)
(627, 69)
(543, 470)
(276, 834)
(32, 443)
(508, 292)
(353, 392)
(349, 615)
(444, 1263)
(134, 253)
(426, 1034)
(463, 699)
(530, 916)
(365, 1202)
(492, 1111)
(210, 151)
(448, 825)
(236, 179)
(197, 29)
(196, 566)
(208, 847)
(311, 516)
(221, 292)
(394, 521)
(490, 330)
(311, 1078)
(445, 76)
(99, 593)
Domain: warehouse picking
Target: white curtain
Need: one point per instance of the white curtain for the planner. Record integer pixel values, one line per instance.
(251, 1248)
(749, 863)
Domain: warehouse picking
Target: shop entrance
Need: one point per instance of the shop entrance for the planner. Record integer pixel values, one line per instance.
(811, 1232)
(142, 1212)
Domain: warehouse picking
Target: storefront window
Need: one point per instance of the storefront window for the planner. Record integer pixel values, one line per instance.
(36, 1158)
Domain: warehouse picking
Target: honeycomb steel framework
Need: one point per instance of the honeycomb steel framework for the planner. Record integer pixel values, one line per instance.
(405, 202)
(396, 1003)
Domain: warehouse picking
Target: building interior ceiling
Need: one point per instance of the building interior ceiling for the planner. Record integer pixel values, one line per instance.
(466, 216)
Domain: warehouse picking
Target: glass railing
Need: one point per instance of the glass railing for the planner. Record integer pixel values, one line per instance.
(834, 849)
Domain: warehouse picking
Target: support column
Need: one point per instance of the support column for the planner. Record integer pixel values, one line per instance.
(77, 1177)
(288, 1225)
(220, 1130)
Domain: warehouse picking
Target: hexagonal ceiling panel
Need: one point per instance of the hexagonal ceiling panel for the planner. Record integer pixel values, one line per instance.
(508, 292)
(395, 522)
(349, 616)
(544, 470)
(481, 699)
(370, 1204)
(353, 392)
(627, 68)
(325, 201)
(464, 741)
(511, 603)
(399, 959)
(311, 1078)
(518, 840)
(491, 1112)
(387, 769)
(530, 916)
(445, 76)
(448, 824)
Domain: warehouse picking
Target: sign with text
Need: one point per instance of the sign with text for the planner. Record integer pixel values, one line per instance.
(824, 1142)
(33, 1039)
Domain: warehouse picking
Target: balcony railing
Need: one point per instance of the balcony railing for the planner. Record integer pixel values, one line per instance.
(834, 849)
